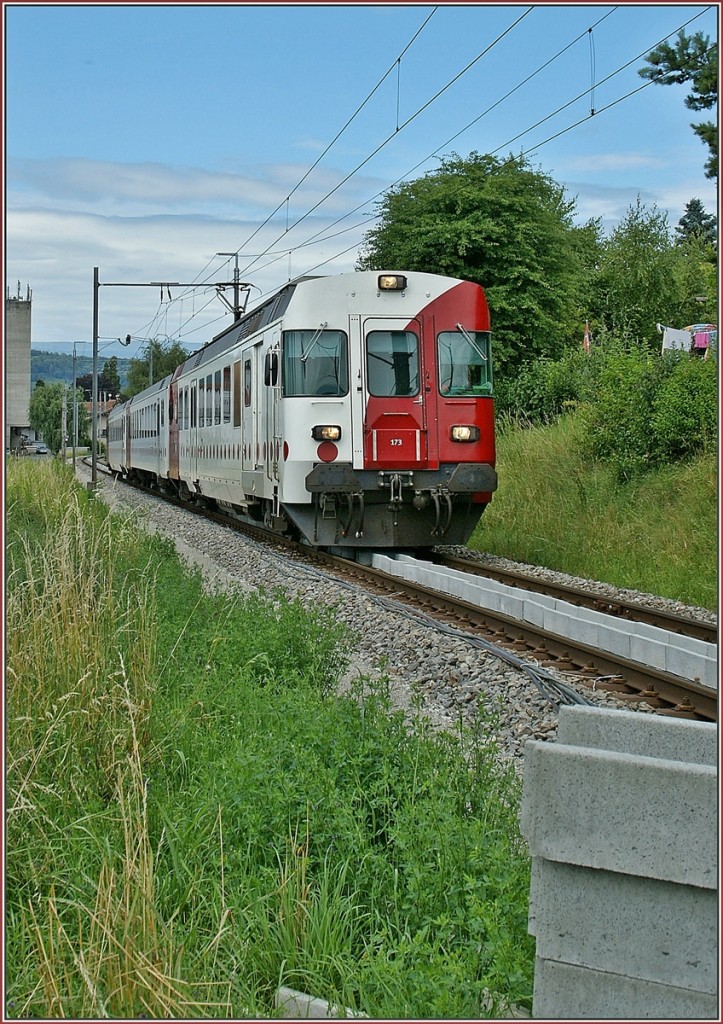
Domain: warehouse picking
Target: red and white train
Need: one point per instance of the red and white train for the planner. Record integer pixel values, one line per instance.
(353, 411)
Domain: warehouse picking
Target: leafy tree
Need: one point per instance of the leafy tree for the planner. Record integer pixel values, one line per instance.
(635, 284)
(695, 281)
(693, 59)
(696, 223)
(165, 357)
(110, 372)
(106, 383)
(46, 413)
(504, 225)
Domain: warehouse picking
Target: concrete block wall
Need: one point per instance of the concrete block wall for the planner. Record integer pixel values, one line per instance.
(672, 652)
(621, 816)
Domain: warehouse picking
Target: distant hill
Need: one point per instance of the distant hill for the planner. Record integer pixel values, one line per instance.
(55, 367)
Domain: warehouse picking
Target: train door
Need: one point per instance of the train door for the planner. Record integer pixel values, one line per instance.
(173, 440)
(272, 435)
(128, 434)
(399, 429)
(193, 433)
(160, 428)
(249, 378)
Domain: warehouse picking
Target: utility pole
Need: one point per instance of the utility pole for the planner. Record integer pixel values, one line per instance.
(94, 393)
(237, 309)
(64, 425)
(75, 411)
(127, 284)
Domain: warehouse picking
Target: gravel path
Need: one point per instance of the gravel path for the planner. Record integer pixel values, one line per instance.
(442, 675)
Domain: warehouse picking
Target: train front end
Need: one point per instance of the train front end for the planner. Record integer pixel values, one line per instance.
(397, 379)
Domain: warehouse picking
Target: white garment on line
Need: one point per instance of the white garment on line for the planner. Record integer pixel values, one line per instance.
(675, 339)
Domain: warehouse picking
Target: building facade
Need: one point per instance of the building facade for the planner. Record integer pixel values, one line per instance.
(17, 368)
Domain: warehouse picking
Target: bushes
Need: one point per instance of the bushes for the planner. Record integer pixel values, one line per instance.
(649, 412)
(640, 411)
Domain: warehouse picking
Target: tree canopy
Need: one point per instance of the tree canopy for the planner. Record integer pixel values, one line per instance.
(696, 223)
(502, 224)
(693, 59)
(162, 358)
(46, 414)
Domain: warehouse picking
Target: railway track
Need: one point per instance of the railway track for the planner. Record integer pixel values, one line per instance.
(581, 598)
(531, 645)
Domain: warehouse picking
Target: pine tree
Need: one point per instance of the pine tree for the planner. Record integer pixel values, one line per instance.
(696, 223)
(693, 59)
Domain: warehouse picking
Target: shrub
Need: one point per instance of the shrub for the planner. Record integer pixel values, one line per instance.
(684, 421)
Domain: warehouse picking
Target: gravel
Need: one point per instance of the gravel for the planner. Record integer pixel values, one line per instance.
(431, 672)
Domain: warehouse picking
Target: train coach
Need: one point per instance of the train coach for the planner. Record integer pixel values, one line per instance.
(352, 411)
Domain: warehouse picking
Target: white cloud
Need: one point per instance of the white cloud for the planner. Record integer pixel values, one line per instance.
(143, 188)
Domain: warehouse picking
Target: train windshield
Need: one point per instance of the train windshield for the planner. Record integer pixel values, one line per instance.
(393, 363)
(465, 362)
(315, 363)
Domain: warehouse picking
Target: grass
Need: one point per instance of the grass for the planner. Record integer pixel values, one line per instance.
(194, 817)
(657, 533)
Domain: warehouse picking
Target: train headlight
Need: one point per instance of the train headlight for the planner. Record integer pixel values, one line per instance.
(391, 282)
(464, 433)
(326, 433)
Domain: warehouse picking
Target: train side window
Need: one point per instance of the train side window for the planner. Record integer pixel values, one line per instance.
(227, 394)
(209, 400)
(201, 401)
(393, 363)
(217, 397)
(465, 363)
(315, 363)
(237, 394)
(247, 383)
(194, 404)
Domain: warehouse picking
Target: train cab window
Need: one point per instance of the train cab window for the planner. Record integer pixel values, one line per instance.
(393, 363)
(315, 363)
(465, 363)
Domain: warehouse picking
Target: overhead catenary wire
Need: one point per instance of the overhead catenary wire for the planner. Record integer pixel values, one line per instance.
(409, 120)
(336, 137)
(320, 235)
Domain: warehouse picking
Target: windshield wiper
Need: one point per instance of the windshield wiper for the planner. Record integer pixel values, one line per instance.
(314, 338)
(472, 341)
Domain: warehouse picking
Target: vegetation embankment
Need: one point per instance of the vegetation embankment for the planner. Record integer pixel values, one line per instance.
(194, 816)
(608, 470)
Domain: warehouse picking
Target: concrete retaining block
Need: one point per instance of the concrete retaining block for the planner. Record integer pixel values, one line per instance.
(621, 818)
(643, 928)
(621, 812)
(300, 1006)
(674, 739)
(563, 992)
(660, 648)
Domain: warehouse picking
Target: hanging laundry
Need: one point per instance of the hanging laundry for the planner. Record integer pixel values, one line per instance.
(676, 339)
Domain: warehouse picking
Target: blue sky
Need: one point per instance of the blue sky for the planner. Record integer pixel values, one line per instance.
(145, 139)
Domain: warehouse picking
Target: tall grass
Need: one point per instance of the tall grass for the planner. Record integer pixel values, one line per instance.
(194, 817)
(657, 533)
